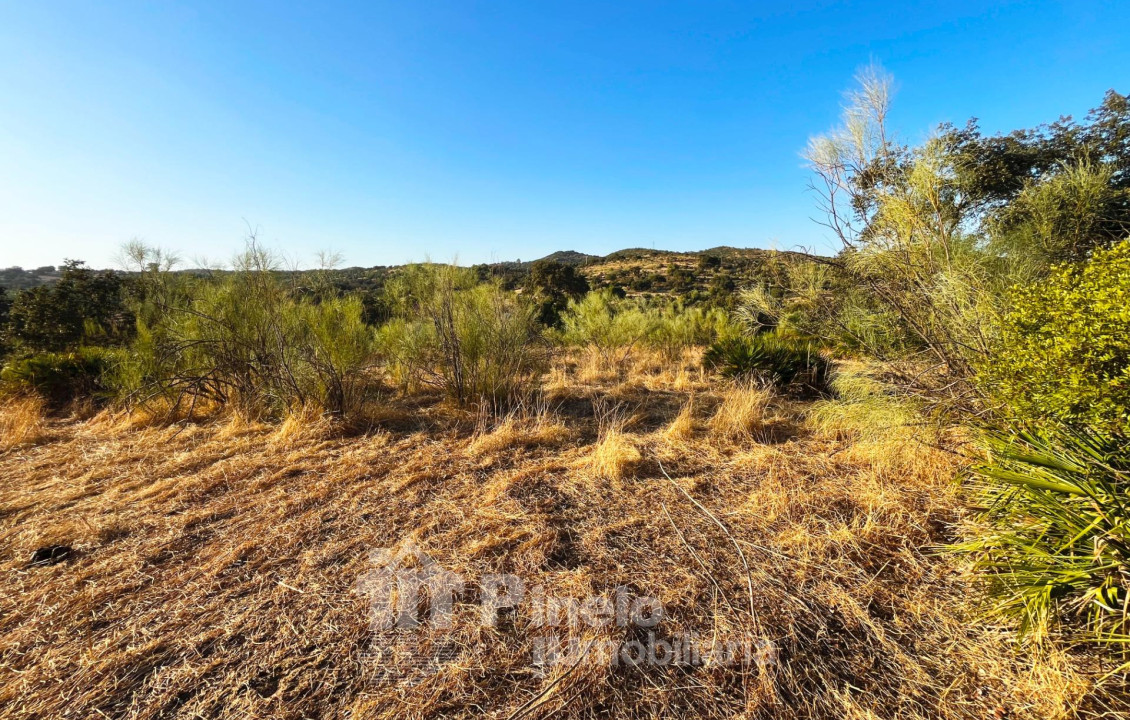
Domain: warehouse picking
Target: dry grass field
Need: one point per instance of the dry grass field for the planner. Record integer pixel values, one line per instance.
(211, 568)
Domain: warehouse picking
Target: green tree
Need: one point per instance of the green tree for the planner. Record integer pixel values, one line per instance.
(934, 235)
(83, 306)
(552, 285)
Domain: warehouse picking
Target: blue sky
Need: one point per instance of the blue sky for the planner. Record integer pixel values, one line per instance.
(391, 131)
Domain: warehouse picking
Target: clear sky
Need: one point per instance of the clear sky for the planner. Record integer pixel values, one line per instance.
(391, 131)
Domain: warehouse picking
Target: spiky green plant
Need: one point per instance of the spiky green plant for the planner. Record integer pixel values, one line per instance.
(782, 361)
(1055, 550)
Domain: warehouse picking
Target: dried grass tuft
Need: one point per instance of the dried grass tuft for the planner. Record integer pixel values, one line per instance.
(615, 456)
(22, 421)
(741, 415)
(683, 426)
(306, 422)
(519, 430)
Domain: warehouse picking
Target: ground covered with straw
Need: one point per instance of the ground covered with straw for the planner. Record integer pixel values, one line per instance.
(213, 568)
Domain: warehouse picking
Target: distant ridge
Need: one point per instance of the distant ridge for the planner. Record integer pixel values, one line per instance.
(725, 252)
(570, 257)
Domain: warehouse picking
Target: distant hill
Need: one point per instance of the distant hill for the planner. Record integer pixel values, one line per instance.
(570, 257)
(16, 278)
(694, 275)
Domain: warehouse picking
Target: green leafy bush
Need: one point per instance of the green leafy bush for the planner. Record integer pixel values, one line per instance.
(61, 377)
(785, 362)
(247, 339)
(474, 340)
(611, 325)
(1056, 546)
(1064, 349)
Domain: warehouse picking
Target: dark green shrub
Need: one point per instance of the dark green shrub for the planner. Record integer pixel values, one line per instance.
(787, 363)
(709, 262)
(83, 306)
(1056, 549)
(643, 283)
(552, 285)
(61, 377)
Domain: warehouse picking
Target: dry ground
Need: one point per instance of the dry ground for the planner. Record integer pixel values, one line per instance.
(214, 566)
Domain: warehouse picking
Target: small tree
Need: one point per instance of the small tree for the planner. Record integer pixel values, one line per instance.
(553, 285)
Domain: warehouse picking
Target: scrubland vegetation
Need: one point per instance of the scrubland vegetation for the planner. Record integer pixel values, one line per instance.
(904, 467)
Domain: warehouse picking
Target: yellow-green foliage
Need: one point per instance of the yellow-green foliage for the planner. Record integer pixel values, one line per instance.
(601, 321)
(474, 340)
(677, 327)
(610, 324)
(1064, 350)
(245, 338)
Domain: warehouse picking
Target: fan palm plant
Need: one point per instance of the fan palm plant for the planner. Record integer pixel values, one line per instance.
(1057, 543)
(780, 361)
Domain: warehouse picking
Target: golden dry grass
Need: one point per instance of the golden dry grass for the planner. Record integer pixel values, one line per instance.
(519, 429)
(615, 456)
(215, 569)
(741, 414)
(682, 427)
(22, 421)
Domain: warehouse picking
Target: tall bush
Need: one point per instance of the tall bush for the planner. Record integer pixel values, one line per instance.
(615, 326)
(474, 340)
(243, 338)
(934, 235)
